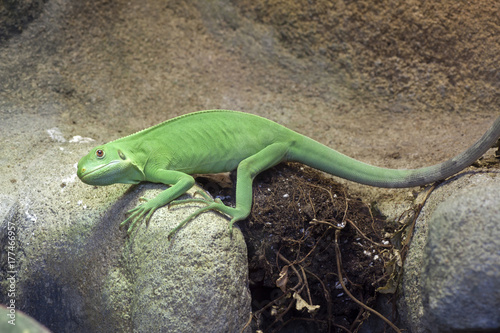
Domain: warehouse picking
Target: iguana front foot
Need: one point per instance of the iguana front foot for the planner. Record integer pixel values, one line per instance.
(142, 213)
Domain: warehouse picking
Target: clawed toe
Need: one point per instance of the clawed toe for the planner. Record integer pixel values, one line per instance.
(206, 199)
(138, 215)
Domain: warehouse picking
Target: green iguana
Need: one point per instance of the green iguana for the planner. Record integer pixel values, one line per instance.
(221, 140)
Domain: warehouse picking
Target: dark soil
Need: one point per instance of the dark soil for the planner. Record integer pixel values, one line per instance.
(291, 247)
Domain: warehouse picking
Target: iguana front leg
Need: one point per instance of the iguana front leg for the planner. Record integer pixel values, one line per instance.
(180, 182)
(246, 172)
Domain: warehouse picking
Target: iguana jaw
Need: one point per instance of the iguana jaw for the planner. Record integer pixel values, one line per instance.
(101, 175)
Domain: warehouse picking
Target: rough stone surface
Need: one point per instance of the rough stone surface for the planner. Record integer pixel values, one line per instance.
(76, 271)
(16, 14)
(17, 321)
(461, 277)
(196, 282)
(7, 208)
(452, 270)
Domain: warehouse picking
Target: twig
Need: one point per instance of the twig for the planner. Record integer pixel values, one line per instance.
(341, 280)
(366, 237)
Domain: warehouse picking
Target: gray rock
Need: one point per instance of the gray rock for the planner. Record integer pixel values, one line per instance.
(16, 14)
(461, 277)
(7, 208)
(198, 282)
(17, 321)
(76, 270)
(451, 280)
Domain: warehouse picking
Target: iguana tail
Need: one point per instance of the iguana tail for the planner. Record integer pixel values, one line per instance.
(321, 157)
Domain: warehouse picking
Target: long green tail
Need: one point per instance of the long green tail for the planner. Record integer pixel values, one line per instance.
(321, 157)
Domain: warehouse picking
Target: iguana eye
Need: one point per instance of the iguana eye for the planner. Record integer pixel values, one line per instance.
(99, 153)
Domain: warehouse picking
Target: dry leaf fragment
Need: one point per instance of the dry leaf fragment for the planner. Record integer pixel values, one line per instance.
(283, 279)
(303, 304)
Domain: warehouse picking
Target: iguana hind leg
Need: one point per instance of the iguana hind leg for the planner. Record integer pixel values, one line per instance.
(246, 172)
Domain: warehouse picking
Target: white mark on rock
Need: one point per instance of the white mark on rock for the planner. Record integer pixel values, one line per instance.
(56, 135)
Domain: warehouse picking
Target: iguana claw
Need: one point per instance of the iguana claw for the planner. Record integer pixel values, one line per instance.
(142, 212)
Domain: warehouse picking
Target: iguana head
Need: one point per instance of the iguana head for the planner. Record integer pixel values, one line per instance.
(107, 164)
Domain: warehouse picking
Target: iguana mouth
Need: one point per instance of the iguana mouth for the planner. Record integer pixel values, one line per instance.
(82, 174)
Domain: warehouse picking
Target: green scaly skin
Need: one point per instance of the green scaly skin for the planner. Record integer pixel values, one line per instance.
(221, 140)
